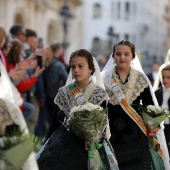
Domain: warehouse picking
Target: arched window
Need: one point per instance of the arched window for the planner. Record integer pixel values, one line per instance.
(18, 19)
(96, 46)
(96, 11)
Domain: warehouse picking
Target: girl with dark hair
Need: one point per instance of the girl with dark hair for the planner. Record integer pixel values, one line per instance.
(64, 149)
(128, 86)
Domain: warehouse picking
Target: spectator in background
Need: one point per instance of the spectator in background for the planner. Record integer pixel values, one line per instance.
(153, 75)
(13, 58)
(32, 46)
(101, 61)
(16, 73)
(40, 43)
(31, 42)
(18, 31)
(58, 52)
(55, 76)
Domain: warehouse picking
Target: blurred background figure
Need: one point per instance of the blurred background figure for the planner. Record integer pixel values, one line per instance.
(31, 42)
(19, 32)
(163, 97)
(101, 61)
(55, 75)
(25, 83)
(154, 74)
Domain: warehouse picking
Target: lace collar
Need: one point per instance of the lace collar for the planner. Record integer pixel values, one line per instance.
(92, 93)
(132, 88)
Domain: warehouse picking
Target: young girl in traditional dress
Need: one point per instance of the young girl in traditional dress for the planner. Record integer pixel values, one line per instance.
(64, 149)
(163, 97)
(127, 88)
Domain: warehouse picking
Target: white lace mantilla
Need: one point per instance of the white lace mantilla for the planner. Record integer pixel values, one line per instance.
(132, 89)
(93, 93)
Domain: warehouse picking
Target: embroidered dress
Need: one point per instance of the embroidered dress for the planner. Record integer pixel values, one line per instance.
(64, 149)
(129, 142)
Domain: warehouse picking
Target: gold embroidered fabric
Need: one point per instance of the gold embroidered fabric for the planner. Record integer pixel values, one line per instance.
(93, 93)
(132, 89)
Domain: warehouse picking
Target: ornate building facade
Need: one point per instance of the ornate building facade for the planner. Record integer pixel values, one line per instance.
(141, 22)
(51, 19)
(167, 18)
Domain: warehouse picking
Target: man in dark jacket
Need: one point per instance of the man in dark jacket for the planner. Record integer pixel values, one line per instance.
(55, 77)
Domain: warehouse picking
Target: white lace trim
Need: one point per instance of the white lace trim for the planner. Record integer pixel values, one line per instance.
(96, 77)
(132, 89)
(92, 93)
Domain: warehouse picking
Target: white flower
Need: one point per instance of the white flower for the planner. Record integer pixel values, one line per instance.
(152, 108)
(87, 106)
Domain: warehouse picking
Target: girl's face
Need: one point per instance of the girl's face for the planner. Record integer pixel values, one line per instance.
(123, 57)
(166, 78)
(80, 69)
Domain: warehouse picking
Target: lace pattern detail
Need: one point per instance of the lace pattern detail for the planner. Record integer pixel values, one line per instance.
(132, 89)
(92, 93)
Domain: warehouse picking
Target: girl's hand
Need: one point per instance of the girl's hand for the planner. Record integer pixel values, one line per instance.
(155, 131)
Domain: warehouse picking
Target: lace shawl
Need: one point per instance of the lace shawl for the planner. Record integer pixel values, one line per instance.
(132, 89)
(93, 93)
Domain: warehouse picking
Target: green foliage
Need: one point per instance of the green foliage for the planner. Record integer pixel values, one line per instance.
(90, 125)
(17, 137)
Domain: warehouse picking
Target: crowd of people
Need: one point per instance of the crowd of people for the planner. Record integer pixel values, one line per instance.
(118, 86)
(32, 70)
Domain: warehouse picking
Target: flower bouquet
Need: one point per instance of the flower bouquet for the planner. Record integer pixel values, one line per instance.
(153, 116)
(15, 149)
(89, 121)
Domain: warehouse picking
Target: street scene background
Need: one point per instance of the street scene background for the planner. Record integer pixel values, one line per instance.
(60, 27)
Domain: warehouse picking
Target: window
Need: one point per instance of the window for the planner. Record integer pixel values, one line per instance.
(118, 10)
(127, 10)
(19, 19)
(51, 33)
(115, 10)
(97, 11)
(126, 36)
(96, 46)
